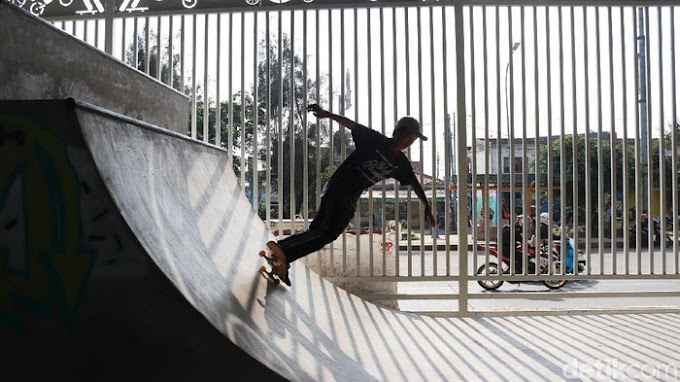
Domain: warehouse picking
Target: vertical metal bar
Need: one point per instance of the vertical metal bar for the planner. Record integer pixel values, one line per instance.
(171, 52)
(475, 147)
(206, 96)
(408, 112)
(563, 164)
(369, 55)
(511, 137)
(537, 133)
(612, 143)
(341, 131)
(626, 164)
(397, 212)
(382, 118)
(182, 49)
(244, 161)
(218, 83)
(305, 127)
(433, 136)
(159, 57)
(600, 159)
(123, 34)
(662, 155)
(255, 190)
(86, 31)
(330, 122)
(193, 78)
(421, 155)
(268, 118)
(549, 140)
(447, 147)
(574, 150)
(525, 163)
(279, 117)
(648, 140)
(549, 112)
(97, 28)
(291, 124)
(369, 90)
(230, 94)
(638, 155)
(674, 148)
(135, 45)
(383, 184)
(317, 99)
(500, 146)
(487, 152)
(587, 135)
(147, 49)
(109, 10)
(462, 202)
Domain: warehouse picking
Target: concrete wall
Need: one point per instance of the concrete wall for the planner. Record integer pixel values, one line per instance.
(39, 61)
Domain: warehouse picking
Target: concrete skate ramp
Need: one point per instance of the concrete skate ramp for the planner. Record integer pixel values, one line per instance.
(157, 277)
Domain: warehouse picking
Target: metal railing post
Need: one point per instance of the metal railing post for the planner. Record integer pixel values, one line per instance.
(462, 165)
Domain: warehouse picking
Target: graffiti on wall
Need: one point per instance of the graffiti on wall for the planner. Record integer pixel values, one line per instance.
(44, 259)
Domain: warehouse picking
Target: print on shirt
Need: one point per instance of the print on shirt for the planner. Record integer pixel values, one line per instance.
(376, 170)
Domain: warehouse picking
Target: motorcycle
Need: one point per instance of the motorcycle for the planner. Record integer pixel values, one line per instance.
(542, 257)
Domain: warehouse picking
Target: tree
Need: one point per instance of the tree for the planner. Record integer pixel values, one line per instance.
(566, 195)
(278, 104)
(153, 59)
(557, 161)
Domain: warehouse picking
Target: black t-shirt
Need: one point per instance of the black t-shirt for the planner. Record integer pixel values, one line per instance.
(371, 162)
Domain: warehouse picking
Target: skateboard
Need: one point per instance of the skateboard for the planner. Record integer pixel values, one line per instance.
(269, 274)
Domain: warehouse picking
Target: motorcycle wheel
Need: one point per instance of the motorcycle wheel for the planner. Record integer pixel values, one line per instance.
(553, 284)
(489, 284)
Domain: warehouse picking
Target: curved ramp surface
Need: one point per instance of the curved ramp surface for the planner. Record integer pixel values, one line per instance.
(176, 207)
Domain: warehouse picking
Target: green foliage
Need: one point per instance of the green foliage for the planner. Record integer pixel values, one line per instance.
(280, 128)
(153, 59)
(549, 157)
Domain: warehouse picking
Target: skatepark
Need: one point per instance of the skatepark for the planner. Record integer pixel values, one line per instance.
(129, 250)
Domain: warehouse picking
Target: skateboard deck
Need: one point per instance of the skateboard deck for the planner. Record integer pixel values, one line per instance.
(269, 274)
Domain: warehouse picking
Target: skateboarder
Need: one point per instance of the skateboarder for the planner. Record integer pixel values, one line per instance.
(376, 157)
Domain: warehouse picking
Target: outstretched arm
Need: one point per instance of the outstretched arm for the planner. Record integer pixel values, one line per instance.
(418, 189)
(321, 113)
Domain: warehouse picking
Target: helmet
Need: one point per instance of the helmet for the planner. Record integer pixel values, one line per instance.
(545, 218)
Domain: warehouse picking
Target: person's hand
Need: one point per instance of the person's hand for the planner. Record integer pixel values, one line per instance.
(318, 111)
(430, 218)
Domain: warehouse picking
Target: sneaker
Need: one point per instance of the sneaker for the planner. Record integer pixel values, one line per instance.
(280, 266)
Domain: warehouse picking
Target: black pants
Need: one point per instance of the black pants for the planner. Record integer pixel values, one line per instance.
(331, 219)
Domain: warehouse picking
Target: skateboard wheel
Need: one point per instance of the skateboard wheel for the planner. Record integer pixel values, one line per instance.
(262, 253)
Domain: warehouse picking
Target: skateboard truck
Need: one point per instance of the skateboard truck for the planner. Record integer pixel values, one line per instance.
(269, 274)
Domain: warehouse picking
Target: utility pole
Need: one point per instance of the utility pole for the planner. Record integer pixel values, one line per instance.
(642, 101)
(451, 142)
